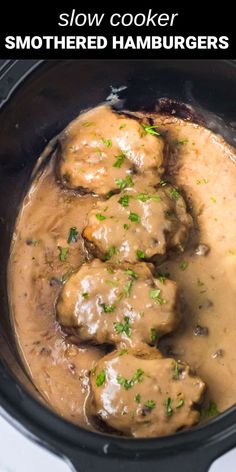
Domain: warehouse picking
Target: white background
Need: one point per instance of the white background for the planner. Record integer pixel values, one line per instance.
(19, 454)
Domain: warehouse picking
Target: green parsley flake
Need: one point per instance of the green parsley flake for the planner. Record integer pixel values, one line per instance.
(176, 371)
(212, 409)
(124, 200)
(174, 194)
(73, 235)
(140, 254)
(168, 404)
(161, 277)
(107, 142)
(125, 226)
(128, 287)
(138, 398)
(154, 335)
(150, 129)
(156, 296)
(122, 126)
(108, 308)
(67, 274)
(109, 194)
(131, 273)
(100, 217)
(134, 217)
(111, 252)
(85, 295)
(127, 384)
(163, 183)
(123, 327)
(101, 377)
(63, 253)
(119, 161)
(123, 183)
(144, 197)
(183, 265)
(180, 403)
(123, 352)
(150, 404)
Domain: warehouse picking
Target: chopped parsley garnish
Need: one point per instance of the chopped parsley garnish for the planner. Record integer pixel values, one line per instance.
(108, 308)
(154, 335)
(124, 201)
(100, 379)
(212, 409)
(144, 197)
(67, 275)
(134, 217)
(125, 226)
(176, 371)
(100, 217)
(107, 142)
(122, 126)
(150, 404)
(168, 404)
(131, 273)
(174, 194)
(127, 384)
(73, 235)
(85, 295)
(155, 295)
(119, 160)
(138, 398)
(156, 198)
(163, 183)
(161, 277)
(109, 194)
(63, 252)
(181, 141)
(111, 252)
(128, 287)
(150, 129)
(140, 254)
(110, 270)
(123, 183)
(123, 327)
(123, 352)
(180, 403)
(183, 265)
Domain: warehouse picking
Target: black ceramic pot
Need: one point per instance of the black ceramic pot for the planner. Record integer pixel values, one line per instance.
(37, 100)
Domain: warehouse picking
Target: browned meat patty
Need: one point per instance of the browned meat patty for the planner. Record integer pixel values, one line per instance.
(144, 396)
(138, 225)
(123, 305)
(101, 148)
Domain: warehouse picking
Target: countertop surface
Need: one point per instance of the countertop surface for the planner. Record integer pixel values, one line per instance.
(19, 454)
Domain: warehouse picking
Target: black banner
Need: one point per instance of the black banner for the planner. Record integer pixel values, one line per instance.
(152, 31)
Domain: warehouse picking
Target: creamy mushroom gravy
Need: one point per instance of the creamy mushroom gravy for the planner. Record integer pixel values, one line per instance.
(202, 166)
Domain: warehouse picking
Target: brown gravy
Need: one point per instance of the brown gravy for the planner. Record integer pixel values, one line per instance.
(203, 166)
